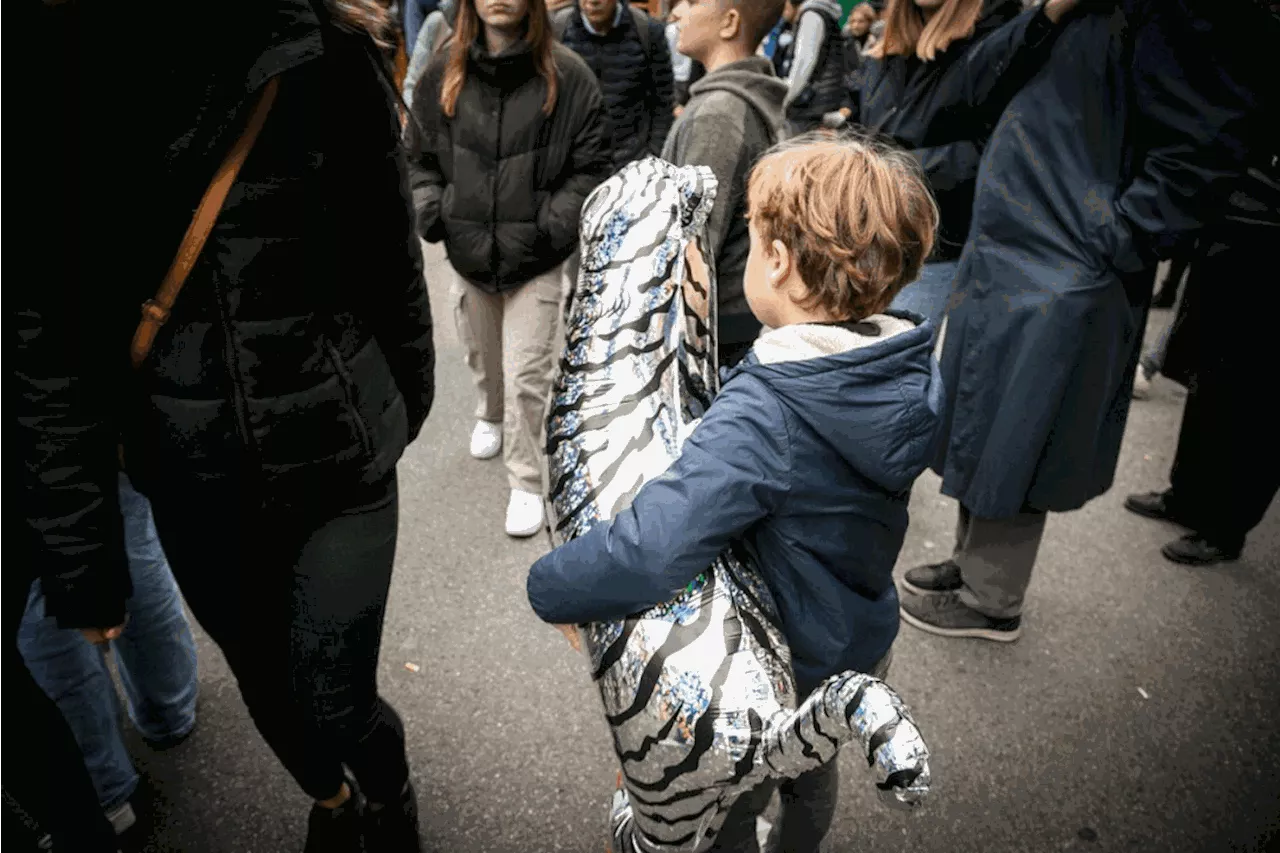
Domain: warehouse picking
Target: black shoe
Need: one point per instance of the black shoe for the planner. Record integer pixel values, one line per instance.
(339, 830)
(163, 744)
(393, 827)
(1194, 550)
(944, 614)
(937, 577)
(1154, 505)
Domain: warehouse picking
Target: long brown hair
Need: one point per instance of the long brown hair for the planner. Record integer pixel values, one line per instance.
(465, 31)
(370, 16)
(905, 31)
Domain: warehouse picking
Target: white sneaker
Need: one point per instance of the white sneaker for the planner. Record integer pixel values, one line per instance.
(486, 440)
(524, 513)
(1141, 385)
(122, 818)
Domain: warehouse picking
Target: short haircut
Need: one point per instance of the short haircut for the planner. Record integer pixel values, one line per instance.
(856, 215)
(758, 17)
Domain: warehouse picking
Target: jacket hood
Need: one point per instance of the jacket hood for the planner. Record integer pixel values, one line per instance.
(874, 394)
(830, 8)
(751, 79)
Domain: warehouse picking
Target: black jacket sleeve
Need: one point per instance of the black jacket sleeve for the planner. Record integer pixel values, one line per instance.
(71, 325)
(590, 165)
(68, 439)
(426, 180)
(662, 92)
(394, 295)
(1199, 80)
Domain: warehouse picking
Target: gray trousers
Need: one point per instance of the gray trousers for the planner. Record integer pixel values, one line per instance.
(996, 556)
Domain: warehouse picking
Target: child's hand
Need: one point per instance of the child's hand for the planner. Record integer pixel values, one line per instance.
(571, 634)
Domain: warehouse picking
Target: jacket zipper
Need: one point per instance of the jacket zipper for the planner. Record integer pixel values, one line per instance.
(233, 375)
(493, 200)
(348, 394)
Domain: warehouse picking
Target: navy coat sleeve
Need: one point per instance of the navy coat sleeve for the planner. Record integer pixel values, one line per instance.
(733, 471)
(1197, 86)
(990, 73)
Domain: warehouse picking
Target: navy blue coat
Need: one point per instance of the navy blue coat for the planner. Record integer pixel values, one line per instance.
(1104, 160)
(943, 110)
(809, 464)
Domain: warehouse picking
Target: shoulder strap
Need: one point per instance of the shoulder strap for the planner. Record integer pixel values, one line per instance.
(642, 26)
(155, 312)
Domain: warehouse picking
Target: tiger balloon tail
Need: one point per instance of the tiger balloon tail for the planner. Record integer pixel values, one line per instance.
(698, 691)
(850, 707)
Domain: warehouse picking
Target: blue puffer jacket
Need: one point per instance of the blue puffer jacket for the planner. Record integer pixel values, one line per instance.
(807, 456)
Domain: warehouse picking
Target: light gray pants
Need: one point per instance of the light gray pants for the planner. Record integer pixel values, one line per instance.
(511, 341)
(996, 556)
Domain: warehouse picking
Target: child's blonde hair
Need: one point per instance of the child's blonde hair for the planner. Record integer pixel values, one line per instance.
(857, 217)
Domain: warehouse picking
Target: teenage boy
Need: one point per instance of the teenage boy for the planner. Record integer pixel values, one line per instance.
(733, 116)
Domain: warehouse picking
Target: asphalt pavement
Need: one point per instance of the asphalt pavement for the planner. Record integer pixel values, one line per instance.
(1138, 712)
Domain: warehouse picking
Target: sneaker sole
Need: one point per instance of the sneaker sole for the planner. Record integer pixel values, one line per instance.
(1175, 557)
(524, 534)
(497, 450)
(974, 633)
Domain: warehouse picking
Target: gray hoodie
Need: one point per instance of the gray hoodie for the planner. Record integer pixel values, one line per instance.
(733, 116)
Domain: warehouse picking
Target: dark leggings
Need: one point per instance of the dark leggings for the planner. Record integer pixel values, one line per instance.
(296, 604)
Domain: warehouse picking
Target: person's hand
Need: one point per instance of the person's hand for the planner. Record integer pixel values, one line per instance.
(846, 112)
(1055, 9)
(98, 636)
(571, 634)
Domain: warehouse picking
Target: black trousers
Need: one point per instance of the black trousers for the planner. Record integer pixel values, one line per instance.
(295, 600)
(1225, 471)
(44, 770)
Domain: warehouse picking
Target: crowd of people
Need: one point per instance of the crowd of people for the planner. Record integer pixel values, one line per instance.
(948, 211)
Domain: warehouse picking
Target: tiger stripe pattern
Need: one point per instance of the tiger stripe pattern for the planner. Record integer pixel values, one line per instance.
(698, 691)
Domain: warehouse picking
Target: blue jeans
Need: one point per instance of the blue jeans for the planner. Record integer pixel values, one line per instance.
(929, 294)
(156, 658)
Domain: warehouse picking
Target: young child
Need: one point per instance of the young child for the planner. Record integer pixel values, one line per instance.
(733, 116)
(808, 453)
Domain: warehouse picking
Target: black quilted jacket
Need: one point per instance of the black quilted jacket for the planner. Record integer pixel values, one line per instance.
(638, 87)
(298, 361)
(501, 183)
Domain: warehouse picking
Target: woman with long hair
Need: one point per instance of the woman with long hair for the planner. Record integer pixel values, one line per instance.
(265, 419)
(935, 84)
(506, 141)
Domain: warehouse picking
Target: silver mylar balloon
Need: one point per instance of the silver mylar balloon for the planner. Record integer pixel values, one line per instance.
(698, 691)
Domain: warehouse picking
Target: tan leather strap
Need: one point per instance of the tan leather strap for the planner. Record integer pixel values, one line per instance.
(155, 311)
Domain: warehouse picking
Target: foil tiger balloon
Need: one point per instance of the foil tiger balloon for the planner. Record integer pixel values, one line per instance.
(698, 691)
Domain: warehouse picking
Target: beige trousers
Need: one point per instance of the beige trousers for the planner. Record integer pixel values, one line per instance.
(512, 340)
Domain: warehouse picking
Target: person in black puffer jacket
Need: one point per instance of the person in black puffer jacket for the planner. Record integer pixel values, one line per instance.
(935, 84)
(266, 422)
(507, 141)
(633, 68)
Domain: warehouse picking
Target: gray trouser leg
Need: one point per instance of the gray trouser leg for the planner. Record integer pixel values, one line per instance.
(996, 556)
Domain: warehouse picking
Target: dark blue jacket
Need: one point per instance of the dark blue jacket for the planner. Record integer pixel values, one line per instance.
(1095, 171)
(809, 463)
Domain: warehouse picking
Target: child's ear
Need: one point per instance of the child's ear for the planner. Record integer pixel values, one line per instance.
(779, 257)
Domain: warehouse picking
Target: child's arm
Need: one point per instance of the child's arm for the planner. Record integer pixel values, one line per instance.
(733, 471)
